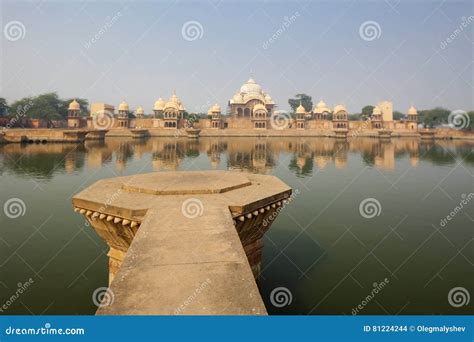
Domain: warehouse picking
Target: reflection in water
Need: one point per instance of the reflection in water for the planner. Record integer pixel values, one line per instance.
(312, 263)
(301, 156)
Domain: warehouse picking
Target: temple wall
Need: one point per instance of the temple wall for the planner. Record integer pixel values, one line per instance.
(319, 124)
(239, 123)
(144, 123)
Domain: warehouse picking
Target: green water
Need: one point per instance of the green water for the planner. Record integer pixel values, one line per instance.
(321, 249)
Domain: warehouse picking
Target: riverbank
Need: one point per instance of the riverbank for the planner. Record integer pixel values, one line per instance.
(77, 136)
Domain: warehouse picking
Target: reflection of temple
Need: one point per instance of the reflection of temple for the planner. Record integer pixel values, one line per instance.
(167, 154)
(252, 154)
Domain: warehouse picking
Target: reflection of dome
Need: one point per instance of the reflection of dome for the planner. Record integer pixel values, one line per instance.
(160, 104)
(322, 162)
(321, 107)
(412, 111)
(259, 107)
(123, 106)
(339, 108)
(215, 109)
(74, 105)
(300, 109)
(376, 111)
(251, 87)
(140, 111)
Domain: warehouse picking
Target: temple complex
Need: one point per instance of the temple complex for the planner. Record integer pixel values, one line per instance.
(249, 112)
(249, 109)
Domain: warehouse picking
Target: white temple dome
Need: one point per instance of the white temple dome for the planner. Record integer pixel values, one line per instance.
(140, 110)
(339, 108)
(174, 98)
(159, 104)
(321, 107)
(412, 111)
(251, 87)
(74, 105)
(237, 98)
(300, 109)
(268, 98)
(215, 109)
(123, 106)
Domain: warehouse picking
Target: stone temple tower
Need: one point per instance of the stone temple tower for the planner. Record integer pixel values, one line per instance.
(73, 118)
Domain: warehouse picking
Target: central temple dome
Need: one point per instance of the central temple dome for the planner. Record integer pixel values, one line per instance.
(251, 87)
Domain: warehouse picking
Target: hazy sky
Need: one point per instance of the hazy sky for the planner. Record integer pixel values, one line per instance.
(140, 51)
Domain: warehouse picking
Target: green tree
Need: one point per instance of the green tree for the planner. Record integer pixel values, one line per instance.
(398, 115)
(305, 100)
(434, 117)
(3, 106)
(471, 119)
(354, 117)
(46, 106)
(367, 111)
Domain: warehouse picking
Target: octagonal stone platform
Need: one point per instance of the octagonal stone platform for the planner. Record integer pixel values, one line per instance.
(184, 242)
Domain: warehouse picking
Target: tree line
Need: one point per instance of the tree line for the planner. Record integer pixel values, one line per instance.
(46, 106)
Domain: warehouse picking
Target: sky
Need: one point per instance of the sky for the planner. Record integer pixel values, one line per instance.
(344, 52)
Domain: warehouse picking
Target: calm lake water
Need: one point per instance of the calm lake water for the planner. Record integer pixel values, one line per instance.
(322, 249)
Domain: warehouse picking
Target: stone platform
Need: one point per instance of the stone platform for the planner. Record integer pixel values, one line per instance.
(184, 242)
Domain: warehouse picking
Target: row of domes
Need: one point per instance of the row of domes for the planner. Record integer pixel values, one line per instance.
(175, 103)
(321, 108)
